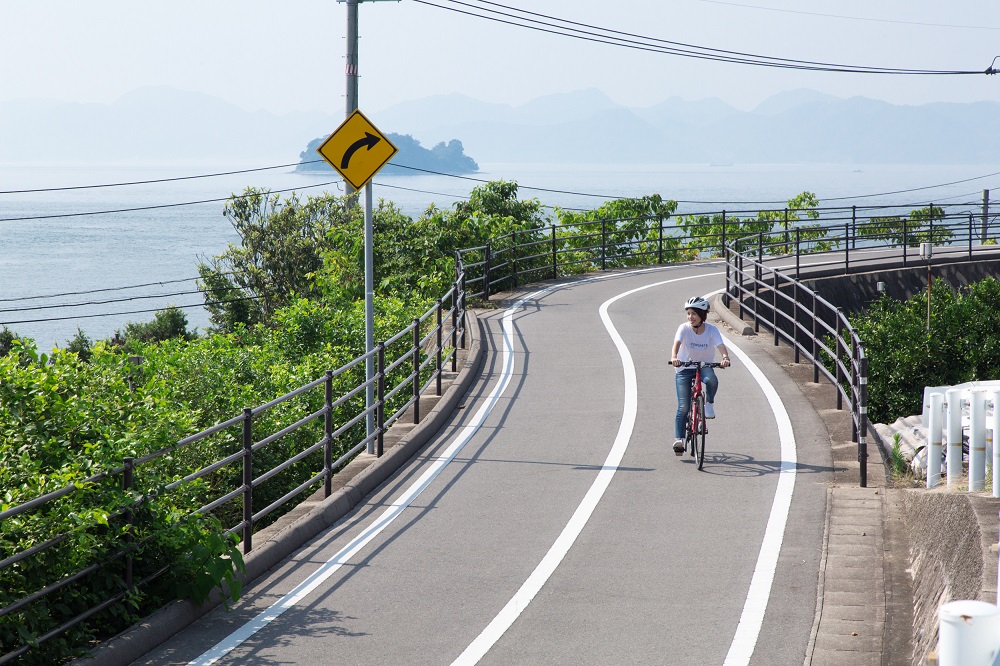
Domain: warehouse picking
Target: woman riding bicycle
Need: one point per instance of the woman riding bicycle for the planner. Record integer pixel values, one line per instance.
(695, 340)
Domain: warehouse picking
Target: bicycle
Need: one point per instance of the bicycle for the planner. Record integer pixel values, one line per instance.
(694, 440)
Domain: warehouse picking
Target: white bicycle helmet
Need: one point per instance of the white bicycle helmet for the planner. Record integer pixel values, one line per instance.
(698, 303)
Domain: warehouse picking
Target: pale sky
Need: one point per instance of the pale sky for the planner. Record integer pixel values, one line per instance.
(288, 56)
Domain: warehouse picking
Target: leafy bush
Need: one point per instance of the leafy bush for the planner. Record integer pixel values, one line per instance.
(166, 324)
(902, 358)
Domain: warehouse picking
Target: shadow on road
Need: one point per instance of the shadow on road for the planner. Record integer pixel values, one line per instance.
(723, 463)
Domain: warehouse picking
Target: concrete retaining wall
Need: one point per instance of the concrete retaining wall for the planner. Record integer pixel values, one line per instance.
(950, 559)
(855, 293)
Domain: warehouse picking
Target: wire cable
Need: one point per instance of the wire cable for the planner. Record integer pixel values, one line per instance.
(160, 206)
(644, 43)
(143, 297)
(131, 312)
(463, 198)
(154, 180)
(853, 18)
(912, 189)
(106, 289)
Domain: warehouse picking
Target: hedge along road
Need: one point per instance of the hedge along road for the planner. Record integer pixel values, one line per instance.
(550, 521)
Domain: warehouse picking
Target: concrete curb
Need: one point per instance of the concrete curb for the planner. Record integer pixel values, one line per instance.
(285, 540)
(724, 313)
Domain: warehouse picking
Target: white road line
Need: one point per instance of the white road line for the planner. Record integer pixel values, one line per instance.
(563, 543)
(509, 613)
(752, 617)
(328, 568)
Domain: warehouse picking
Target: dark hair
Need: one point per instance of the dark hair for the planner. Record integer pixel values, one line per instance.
(703, 314)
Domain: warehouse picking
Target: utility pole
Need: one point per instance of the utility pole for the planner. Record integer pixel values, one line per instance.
(986, 213)
(351, 65)
(352, 105)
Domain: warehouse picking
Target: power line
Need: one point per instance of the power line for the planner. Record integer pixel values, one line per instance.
(155, 180)
(643, 43)
(160, 206)
(130, 312)
(912, 189)
(458, 196)
(143, 297)
(853, 18)
(719, 203)
(428, 171)
(106, 289)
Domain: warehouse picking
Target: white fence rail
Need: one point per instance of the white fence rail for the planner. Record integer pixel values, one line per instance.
(960, 422)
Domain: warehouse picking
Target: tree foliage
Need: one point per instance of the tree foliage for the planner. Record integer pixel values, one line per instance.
(281, 248)
(902, 358)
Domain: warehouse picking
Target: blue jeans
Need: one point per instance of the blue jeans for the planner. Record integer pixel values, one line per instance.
(683, 381)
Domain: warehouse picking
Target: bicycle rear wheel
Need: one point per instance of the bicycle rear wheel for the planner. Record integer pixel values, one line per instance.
(698, 433)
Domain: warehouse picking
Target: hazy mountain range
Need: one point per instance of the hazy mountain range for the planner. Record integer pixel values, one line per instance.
(160, 124)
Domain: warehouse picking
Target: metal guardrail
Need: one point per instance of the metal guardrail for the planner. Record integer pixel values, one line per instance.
(773, 297)
(811, 325)
(417, 355)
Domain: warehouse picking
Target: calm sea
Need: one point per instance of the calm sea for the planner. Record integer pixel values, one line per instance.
(75, 256)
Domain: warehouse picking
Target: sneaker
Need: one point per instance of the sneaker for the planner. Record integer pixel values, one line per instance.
(679, 447)
(709, 410)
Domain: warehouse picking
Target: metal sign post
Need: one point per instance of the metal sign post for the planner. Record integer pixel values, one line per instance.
(357, 150)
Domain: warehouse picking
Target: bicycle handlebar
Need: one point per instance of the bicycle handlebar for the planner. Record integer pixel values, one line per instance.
(700, 364)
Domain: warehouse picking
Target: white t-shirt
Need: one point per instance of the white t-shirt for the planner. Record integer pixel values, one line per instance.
(695, 347)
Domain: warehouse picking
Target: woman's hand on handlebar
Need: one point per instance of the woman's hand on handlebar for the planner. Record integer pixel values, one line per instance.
(675, 362)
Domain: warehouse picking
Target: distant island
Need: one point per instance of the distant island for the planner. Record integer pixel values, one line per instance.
(444, 157)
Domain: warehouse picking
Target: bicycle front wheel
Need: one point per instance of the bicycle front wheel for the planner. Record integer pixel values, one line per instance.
(698, 435)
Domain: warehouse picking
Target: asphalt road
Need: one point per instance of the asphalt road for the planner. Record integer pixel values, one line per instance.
(550, 521)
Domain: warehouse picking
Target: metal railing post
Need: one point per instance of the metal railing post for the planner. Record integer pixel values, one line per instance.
(847, 252)
(774, 305)
(247, 480)
(905, 242)
(555, 270)
(863, 415)
(725, 256)
(795, 320)
(128, 483)
(514, 250)
(798, 251)
(741, 295)
(416, 370)
(659, 235)
(454, 328)
(815, 340)
(855, 390)
(986, 214)
(788, 239)
(380, 398)
(854, 226)
(486, 273)
(439, 344)
(722, 248)
(836, 363)
(604, 244)
(971, 231)
(328, 434)
(758, 276)
(461, 315)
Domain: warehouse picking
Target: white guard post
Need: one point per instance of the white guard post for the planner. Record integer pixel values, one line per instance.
(994, 429)
(968, 634)
(977, 440)
(934, 430)
(954, 427)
